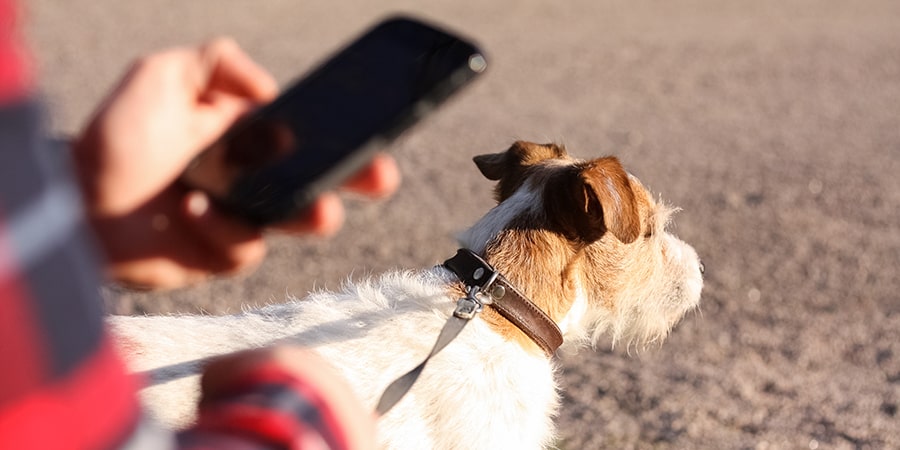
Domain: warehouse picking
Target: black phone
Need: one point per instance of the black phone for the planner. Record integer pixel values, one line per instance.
(273, 163)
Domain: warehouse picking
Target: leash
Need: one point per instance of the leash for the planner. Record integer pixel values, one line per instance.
(484, 287)
(466, 308)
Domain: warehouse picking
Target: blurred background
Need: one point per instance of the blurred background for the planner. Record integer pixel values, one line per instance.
(774, 125)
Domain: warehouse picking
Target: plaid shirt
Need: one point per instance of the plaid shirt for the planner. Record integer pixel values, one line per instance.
(62, 385)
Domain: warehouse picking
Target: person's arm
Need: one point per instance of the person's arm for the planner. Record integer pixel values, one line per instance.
(62, 384)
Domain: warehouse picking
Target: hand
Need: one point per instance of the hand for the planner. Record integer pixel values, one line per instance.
(240, 373)
(170, 106)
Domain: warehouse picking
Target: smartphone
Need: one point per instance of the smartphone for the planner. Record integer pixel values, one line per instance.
(274, 162)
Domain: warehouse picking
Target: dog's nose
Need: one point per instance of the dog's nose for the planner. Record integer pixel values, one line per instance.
(702, 267)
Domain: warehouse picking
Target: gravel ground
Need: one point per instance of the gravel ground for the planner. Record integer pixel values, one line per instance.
(774, 125)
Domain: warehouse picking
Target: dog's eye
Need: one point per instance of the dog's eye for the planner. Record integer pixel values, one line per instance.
(648, 234)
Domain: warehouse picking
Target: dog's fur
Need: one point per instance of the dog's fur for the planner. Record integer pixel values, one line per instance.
(583, 239)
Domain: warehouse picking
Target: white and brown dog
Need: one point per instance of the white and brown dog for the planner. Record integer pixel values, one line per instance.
(583, 240)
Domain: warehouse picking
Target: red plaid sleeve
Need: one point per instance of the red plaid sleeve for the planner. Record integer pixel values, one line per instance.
(269, 406)
(61, 384)
(15, 79)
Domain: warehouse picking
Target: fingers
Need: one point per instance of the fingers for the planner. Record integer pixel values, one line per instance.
(232, 246)
(237, 246)
(323, 218)
(154, 274)
(229, 84)
(230, 70)
(326, 215)
(379, 179)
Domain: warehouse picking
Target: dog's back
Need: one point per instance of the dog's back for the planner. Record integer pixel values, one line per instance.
(371, 332)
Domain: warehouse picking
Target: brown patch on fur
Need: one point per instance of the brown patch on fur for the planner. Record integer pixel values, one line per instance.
(590, 198)
(592, 210)
(612, 264)
(510, 168)
(600, 189)
(609, 197)
(539, 263)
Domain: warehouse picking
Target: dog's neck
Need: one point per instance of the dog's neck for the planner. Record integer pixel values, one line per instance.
(540, 265)
(485, 284)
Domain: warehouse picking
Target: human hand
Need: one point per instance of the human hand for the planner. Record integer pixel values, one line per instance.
(308, 380)
(155, 232)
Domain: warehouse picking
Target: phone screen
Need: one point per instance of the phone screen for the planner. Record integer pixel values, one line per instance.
(326, 126)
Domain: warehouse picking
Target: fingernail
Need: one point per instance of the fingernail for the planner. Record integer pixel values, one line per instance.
(197, 204)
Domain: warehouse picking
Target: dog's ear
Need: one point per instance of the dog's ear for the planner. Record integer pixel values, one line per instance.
(603, 200)
(491, 165)
(495, 166)
(609, 198)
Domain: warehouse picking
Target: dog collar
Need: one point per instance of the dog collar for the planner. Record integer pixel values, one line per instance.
(504, 298)
(484, 287)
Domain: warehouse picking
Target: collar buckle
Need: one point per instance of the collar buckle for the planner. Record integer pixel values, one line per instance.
(485, 286)
(470, 305)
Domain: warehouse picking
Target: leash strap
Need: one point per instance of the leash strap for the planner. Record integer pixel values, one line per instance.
(402, 385)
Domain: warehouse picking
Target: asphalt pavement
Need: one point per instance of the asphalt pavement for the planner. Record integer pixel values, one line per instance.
(773, 125)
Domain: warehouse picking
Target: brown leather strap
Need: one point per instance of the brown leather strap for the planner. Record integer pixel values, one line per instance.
(506, 299)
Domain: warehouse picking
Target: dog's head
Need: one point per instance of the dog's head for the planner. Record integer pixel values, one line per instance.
(587, 243)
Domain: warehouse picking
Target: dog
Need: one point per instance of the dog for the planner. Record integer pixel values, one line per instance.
(583, 244)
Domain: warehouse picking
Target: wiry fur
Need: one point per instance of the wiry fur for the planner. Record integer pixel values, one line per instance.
(583, 239)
